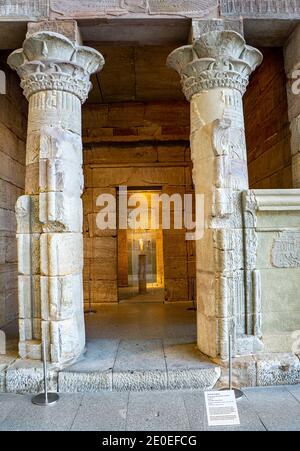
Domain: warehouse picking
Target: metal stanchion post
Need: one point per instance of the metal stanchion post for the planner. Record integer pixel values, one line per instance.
(238, 393)
(90, 311)
(230, 363)
(194, 308)
(45, 399)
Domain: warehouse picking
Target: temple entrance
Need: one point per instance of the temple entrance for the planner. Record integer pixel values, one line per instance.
(140, 258)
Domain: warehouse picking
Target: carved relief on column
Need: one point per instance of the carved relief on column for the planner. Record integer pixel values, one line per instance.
(55, 77)
(214, 73)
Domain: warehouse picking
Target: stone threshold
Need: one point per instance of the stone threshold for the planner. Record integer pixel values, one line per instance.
(121, 365)
(147, 365)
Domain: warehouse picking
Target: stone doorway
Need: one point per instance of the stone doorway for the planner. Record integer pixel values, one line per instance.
(140, 256)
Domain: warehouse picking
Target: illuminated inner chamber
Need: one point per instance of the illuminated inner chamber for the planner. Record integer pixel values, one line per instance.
(140, 255)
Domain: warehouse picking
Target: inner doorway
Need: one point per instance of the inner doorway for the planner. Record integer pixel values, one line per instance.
(140, 256)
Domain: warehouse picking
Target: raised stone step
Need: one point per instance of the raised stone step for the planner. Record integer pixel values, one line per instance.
(139, 365)
(122, 365)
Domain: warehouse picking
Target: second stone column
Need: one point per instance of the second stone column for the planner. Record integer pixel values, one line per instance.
(214, 74)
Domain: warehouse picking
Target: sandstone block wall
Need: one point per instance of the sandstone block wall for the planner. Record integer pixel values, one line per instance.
(267, 124)
(139, 145)
(13, 117)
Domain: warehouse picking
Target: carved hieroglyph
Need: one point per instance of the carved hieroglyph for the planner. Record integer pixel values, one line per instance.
(55, 77)
(286, 250)
(197, 8)
(98, 8)
(214, 74)
(257, 8)
(24, 8)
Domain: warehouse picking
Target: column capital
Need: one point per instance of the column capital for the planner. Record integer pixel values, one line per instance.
(50, 61)
(218, 59)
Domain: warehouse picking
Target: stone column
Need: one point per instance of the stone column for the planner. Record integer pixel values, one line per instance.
(55, 77)
(292, 68)
(214, 74)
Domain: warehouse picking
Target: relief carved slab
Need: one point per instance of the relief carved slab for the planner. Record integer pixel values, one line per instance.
(286, 250)
(98, 8)
(261, 8)
(25, 9)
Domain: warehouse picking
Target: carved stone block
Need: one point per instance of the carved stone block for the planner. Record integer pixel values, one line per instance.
(29, 329)
(57, 142)
(86, 8)
(61, 254)
(60, 213)
(55, 108)
(67, 338)
(27, 214)
(29, 296)
(260, 8)
(198, 8)
(201, 26)
(24, 9)
(28, 254)
(286, 250)
(68, 28)
(61, 297)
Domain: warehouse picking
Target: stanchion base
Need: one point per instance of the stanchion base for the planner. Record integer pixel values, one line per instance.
(237, 392)
(40, 400)
(90, 312)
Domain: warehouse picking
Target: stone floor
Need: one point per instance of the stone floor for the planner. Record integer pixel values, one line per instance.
(261, 409)
(130, 346)
(140, 346)
(131, 295)
(152, 364)
(142, 321)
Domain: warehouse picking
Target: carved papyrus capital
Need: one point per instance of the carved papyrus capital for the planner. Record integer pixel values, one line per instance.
(217, 59)
(50, 61)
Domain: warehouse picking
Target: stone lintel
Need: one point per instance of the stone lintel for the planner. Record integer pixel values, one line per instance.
(23, 10)
(277, 200)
